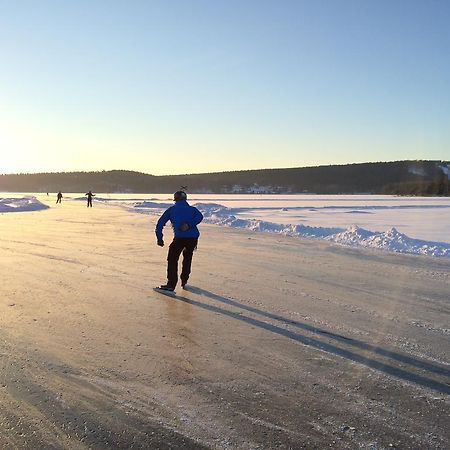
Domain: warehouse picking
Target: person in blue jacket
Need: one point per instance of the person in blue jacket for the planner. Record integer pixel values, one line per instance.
(184, 219)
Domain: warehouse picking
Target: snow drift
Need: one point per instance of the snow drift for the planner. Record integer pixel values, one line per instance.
(21, 204)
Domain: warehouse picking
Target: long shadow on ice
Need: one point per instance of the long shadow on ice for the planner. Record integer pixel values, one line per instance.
(349, 341)
(443, 387)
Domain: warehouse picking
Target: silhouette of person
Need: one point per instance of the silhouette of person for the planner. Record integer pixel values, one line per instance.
(184, 219)
(58, 197)
(89, 198)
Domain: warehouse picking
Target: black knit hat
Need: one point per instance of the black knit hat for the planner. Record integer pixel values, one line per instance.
(179, 195)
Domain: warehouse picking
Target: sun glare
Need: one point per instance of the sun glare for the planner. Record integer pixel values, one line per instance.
(16, 153)
(9, 151)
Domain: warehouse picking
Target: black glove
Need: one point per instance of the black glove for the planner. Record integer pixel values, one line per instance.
(160, 242)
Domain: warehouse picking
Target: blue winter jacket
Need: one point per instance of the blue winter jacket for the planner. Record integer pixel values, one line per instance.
(179, 214)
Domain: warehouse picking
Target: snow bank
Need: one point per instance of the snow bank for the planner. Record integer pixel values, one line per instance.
(221, 215)
(391, 240)
(21, 204)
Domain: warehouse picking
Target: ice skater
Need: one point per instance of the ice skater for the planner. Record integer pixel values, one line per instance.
(184, 219)
(58, 197)
(89, 198)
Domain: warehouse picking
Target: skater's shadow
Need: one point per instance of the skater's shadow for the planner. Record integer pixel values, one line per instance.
(338, 337)
(326, 346)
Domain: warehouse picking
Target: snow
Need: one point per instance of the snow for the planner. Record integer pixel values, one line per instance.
(446, 170)
(390, 240)
(417, 171)
(349, 235)
(19, 204)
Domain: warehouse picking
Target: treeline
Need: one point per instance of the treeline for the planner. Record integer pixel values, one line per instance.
(422, 189)
(398, 178)
(104, 181)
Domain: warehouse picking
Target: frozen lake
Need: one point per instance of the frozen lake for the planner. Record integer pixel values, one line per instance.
(403, 224)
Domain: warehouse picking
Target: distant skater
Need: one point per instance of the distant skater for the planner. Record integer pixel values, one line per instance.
(89, 198)
(184, 219)
(58, 197)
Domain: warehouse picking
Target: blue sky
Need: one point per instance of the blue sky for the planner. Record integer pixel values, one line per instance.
(169, 87)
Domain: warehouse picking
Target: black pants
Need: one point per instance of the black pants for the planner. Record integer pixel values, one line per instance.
(89, 202)
(178, 245)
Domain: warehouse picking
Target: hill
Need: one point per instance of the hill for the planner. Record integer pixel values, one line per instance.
(399, 177)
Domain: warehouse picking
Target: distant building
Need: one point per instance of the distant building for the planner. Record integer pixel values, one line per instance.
(237, 189)
(255, 189)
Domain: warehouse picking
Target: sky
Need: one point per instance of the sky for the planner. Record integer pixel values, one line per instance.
(173, 87)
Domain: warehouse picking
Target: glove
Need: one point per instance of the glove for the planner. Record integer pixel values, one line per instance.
(160, 242)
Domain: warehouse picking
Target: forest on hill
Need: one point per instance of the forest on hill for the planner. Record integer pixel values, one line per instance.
(397, 178)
